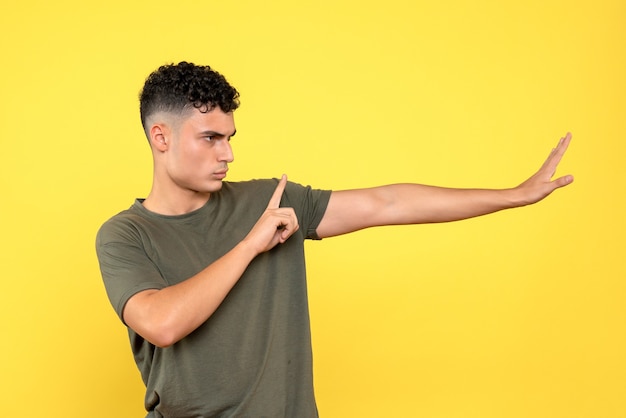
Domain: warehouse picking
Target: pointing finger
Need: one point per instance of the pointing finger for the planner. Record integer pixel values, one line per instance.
(278, 193)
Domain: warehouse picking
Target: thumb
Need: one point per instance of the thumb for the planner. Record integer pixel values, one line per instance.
(563, 181)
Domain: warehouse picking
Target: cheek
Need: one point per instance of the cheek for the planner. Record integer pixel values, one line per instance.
(194, 158)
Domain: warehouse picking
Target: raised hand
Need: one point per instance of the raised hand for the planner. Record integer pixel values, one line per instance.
(275, 225)
(540, 185)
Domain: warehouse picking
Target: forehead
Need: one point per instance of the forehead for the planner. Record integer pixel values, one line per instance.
(214, 120)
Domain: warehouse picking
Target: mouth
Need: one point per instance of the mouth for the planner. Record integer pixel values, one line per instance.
(220, 174)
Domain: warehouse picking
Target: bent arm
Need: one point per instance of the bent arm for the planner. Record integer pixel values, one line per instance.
(400, 204)
(165, 316)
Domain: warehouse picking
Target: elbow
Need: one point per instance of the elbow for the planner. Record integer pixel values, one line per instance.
(163, 344)
(160, 332)
(158, 321)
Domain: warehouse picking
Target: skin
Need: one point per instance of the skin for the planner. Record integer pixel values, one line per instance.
(191, 155)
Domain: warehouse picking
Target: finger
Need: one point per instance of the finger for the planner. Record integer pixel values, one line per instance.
(286, 233)
(274, 202)
(557, 153)
(563, 181)
(563, 144)
(289, 227)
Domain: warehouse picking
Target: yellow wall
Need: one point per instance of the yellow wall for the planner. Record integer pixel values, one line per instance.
(520, 314)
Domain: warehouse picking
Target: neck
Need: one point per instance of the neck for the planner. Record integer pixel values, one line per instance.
(174, 201)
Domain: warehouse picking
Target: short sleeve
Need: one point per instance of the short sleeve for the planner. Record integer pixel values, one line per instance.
(310, 205)
(125, 266)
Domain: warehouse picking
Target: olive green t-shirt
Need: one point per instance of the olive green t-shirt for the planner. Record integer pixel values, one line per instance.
(252, 357)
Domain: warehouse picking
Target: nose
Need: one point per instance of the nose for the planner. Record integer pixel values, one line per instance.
(226, 152)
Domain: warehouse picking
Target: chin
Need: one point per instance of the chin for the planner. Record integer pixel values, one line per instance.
(214, 186)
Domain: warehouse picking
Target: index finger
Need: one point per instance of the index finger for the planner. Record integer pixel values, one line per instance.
(278, 193)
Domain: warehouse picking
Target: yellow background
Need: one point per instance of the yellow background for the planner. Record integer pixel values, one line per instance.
(519, 314)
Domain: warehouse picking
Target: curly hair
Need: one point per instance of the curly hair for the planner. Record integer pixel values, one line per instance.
(178, 87)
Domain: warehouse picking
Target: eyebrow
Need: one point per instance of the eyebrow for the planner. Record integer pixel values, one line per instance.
(214, 133)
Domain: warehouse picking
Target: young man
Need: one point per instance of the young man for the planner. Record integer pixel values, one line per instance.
(209, 275)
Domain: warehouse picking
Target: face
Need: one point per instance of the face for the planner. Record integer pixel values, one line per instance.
(198, 150)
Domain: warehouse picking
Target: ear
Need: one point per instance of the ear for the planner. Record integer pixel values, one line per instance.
(159, 136)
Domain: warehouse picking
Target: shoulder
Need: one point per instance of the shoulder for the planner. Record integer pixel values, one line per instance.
(123, 226)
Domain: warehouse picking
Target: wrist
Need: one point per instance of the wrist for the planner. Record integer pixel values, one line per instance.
(515, 198)
(244, 250)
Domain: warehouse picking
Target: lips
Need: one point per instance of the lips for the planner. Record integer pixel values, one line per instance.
(220, 174)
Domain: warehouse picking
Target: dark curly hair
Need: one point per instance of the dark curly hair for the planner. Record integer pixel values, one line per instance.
(178, 87)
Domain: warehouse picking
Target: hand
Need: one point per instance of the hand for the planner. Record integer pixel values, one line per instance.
(275, 225)
(540, 185)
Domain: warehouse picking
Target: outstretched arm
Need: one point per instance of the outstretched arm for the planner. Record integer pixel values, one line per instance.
(400, 204)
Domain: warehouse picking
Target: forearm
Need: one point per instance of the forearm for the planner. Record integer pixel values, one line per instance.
(416, 203)
(165, 316)
(413, 203)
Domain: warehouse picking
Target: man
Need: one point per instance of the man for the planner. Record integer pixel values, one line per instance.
(209, 275)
